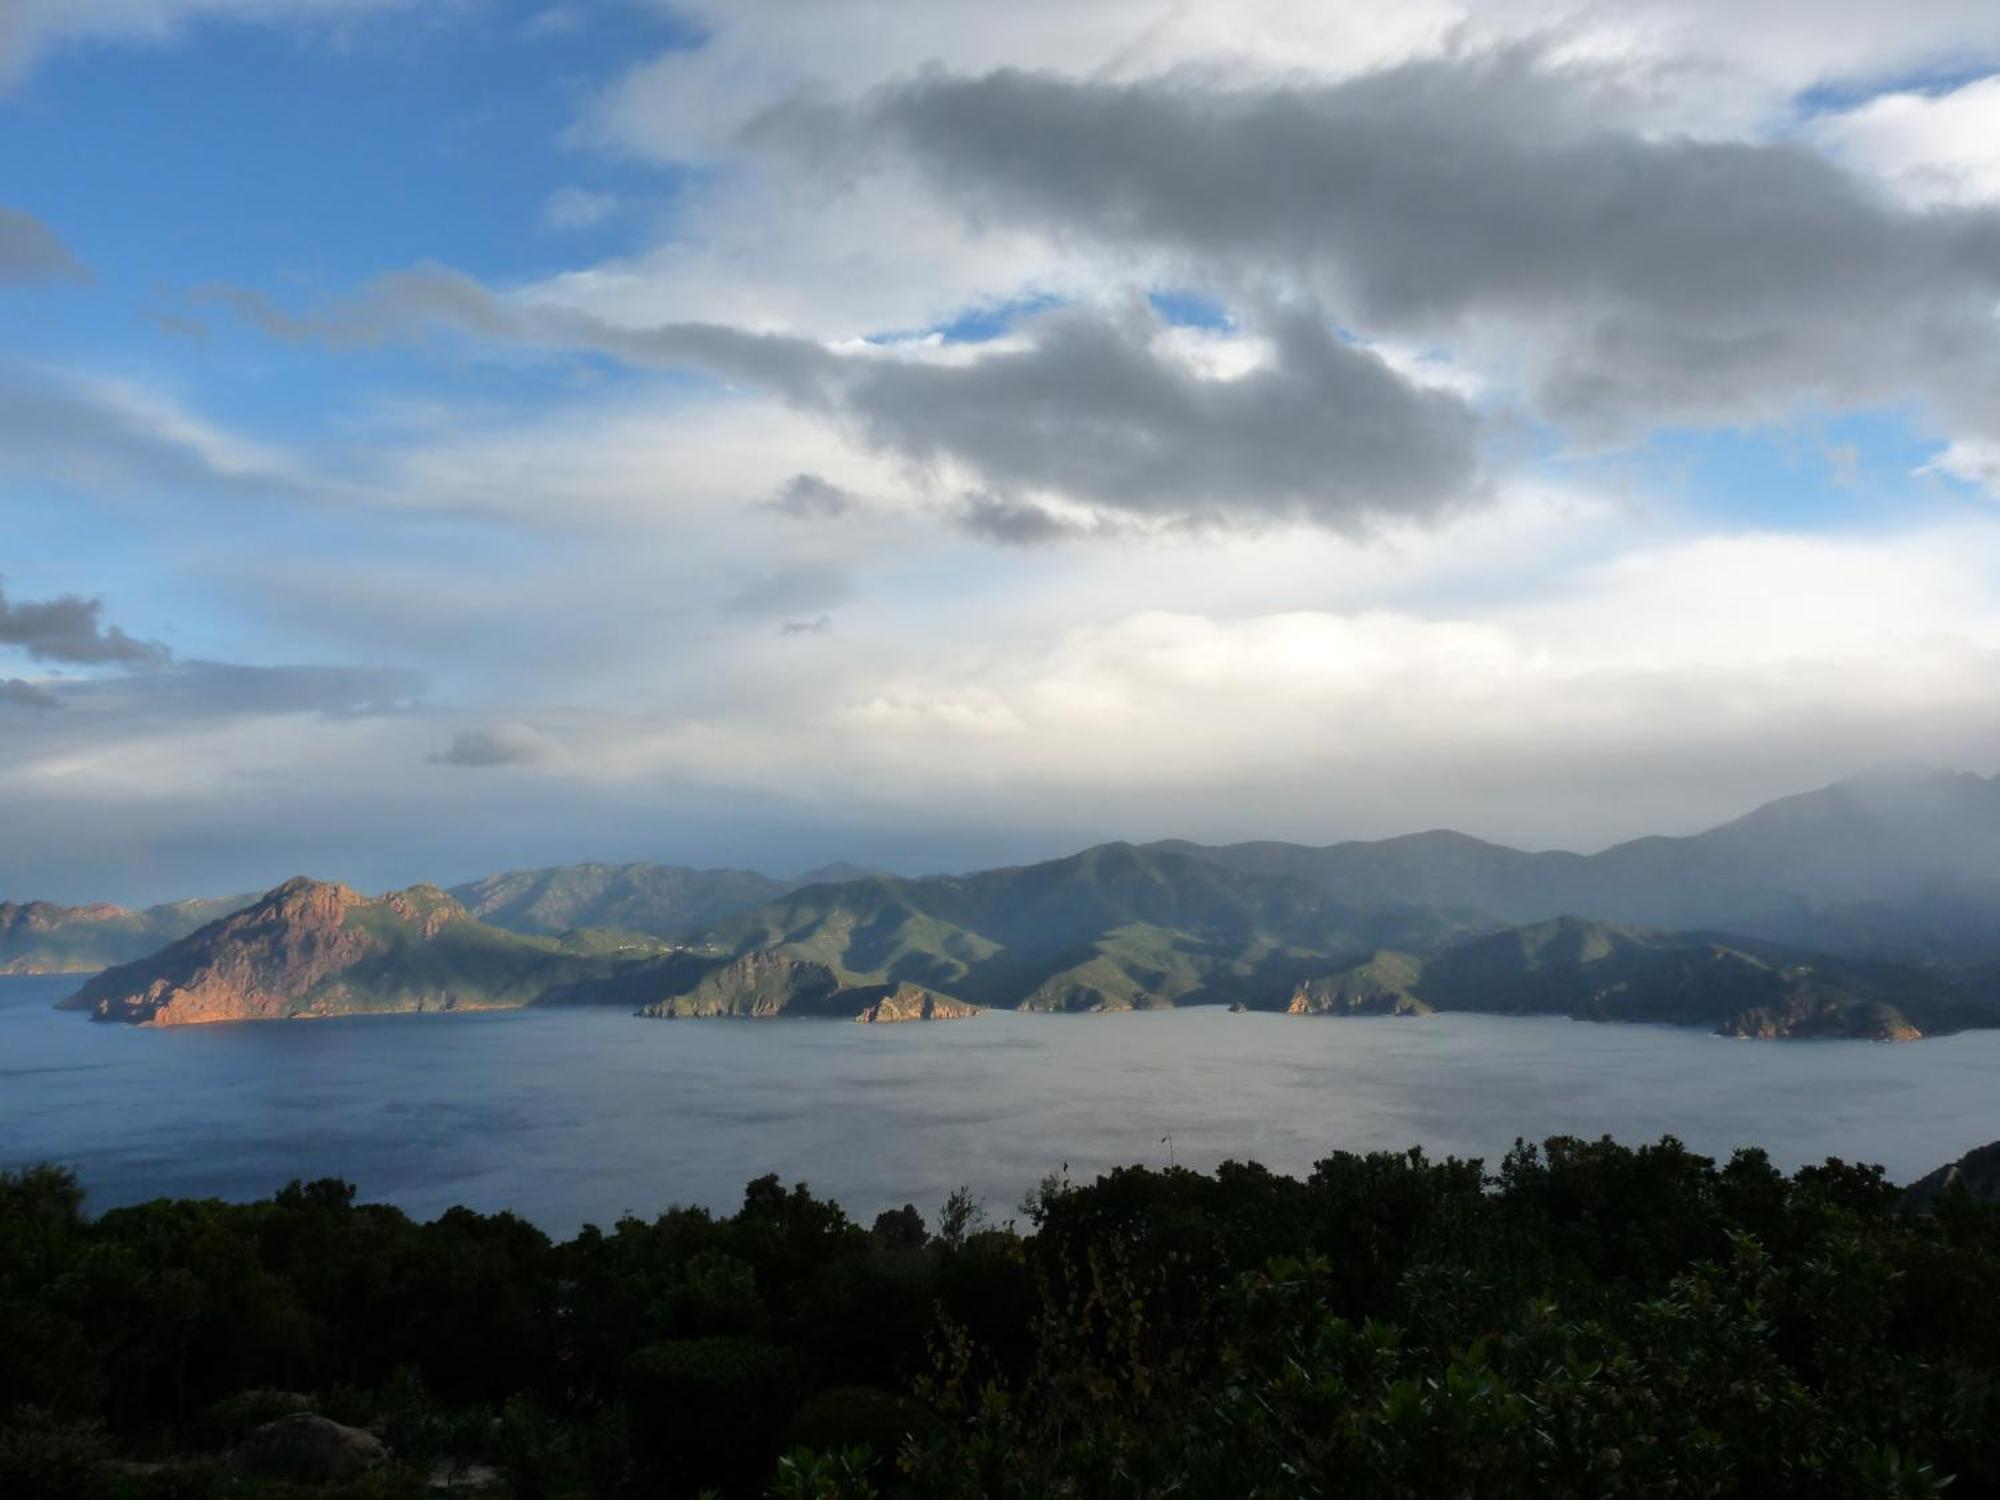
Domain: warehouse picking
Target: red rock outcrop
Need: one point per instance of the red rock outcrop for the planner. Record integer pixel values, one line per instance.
(912, 1002)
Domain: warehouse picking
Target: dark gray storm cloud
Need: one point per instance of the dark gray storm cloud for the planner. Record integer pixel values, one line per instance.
(1658, 278)
(1014, 523)
(1324, 430)
(1089, 408)
(29, 251)
(498, 745)
(16, 693)
(71, 629)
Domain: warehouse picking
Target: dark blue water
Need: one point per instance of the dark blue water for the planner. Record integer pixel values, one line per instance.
(575, 1116)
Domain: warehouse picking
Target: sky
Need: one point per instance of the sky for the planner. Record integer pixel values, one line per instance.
(454, 435)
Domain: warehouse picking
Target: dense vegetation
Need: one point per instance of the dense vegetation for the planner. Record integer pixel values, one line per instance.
(1588, 1319)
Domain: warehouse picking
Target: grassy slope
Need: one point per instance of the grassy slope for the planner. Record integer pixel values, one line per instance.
(663, 900)
(1111, 928)
(470, 965)
(1603, 971)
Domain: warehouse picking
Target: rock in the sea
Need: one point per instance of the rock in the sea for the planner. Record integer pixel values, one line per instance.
(912, 1002)
(306, 1448)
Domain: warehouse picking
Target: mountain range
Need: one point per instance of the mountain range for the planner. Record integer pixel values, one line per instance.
(1600, 971)
(39, 937)
(1891, 864)
(314, 948)
(1869, 908)
(664, 900)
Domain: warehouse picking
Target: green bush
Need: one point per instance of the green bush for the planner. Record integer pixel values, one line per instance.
(1585, 1319)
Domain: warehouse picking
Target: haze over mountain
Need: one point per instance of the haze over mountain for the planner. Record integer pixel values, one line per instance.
(1603, 972)
(38, 937)
(1902, 864)
(1405, 927)
(665, 900)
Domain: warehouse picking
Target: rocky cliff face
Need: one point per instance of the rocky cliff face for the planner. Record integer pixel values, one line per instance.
(315, 948)
(912, 1002)
(258, 963)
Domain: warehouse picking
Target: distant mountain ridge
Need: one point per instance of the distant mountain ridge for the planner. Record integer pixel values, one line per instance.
(1891, 864)
(664, 900)
(1601, 971)
(40, 937)
(1115, 927)
(1869, 908)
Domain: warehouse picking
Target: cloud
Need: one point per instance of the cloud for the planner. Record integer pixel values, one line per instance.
(577, 208)
(1092, 412)
(1672, 683)
(1932, 148)
(213, 688)
(30, 252)
(496, 745)
(1975, 461)
(31, 28)
(552, 21)
(17, 693)
(112, 434)
(1014, 523)
(840, 247)
(806, 497)
(791, 589)
(1481, 202)
(71, 629)
(1094, 406)
(1711, 66)
(175, 694)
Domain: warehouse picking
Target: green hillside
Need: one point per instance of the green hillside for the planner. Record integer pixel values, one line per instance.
(1605, 972)
(1112, 928)
(663, 900)
(765, 983)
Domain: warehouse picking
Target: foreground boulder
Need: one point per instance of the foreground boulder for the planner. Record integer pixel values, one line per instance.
(306, 1448)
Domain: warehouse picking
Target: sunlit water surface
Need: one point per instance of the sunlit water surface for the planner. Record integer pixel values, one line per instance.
(578, 1116)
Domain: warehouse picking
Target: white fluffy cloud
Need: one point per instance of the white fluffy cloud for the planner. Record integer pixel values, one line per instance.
(1932, 148)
